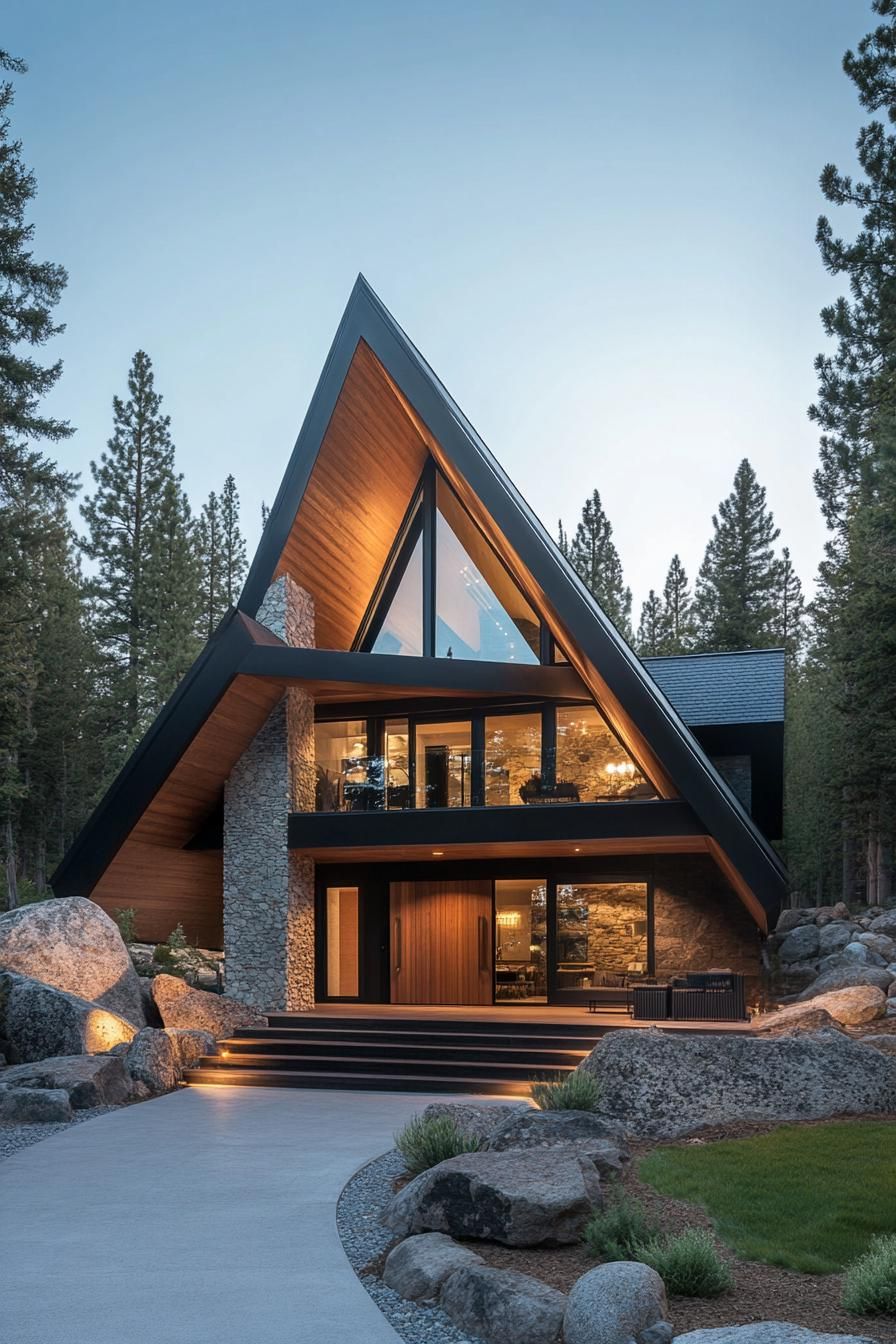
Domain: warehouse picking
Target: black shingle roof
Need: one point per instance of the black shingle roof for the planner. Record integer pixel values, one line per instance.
(711, 688)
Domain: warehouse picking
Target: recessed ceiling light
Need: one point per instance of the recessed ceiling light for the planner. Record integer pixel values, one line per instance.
(437, 852)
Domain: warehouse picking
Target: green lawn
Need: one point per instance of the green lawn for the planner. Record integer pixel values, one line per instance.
(806, 1197)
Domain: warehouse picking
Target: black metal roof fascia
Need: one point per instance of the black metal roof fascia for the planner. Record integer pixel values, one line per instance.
(556, 682)
(153, 759)
(694, 777)
(494, 825)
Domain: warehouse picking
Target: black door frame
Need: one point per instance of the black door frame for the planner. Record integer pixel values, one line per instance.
(374, 928)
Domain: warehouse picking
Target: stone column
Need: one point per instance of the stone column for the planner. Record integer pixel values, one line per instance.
(268, 891)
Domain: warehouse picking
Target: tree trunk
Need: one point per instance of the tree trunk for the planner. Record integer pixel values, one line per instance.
(12, 886)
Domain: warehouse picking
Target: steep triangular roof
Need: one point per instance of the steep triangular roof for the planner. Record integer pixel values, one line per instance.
(608, 666)
(378, 416)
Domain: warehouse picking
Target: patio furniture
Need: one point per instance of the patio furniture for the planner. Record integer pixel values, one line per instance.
(650, 1003)
(709, 996)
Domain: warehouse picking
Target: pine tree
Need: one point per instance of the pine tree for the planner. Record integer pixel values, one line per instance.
(593, 555)
(233, 546)
(121, 515)
(173, 598)
(853, 611)
(678, 627)
(650, 629)
(210, 546)
(32, 488)
(562, 539)
(790, 616)
(737, 583)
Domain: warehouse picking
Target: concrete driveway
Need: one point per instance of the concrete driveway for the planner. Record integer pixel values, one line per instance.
(207, 1216)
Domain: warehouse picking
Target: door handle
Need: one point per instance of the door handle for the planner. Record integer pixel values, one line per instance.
(483, 943)
(396, 944)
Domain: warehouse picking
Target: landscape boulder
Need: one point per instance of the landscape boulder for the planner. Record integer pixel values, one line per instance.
(153, 1059)
(73, 945)
(834, 937)
(663, 1085)
(541, 1197)
(417, 1267)
(863, 954)
(844, 976)
(40, 1022)
(885, 1042)
(849, 1007)
(767, 1332)
(788, 920)
(180, 1005)
(34, 1106)
(499, 1305)
(588, 1134)
(800, 945)
(191, 1044)
(885, 924)
(615, 1303)
(477, 1121)
(87, 1080)
(794, 1020)
(879, 942)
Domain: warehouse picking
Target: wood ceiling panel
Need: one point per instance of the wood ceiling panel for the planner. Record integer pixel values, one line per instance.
(651, 844)
(192, 789)
(341, 538)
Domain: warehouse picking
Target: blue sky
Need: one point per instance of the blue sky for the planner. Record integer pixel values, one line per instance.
(595, 220)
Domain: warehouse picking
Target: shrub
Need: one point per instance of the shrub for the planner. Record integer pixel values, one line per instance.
(576, 1091)
(162, 955)
(688, 1264)
(127, 924)
(869, 1284)
(423, 1143)
(617, 1230)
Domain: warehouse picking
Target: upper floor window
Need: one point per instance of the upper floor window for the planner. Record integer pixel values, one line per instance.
(592, 762)
(402, 627)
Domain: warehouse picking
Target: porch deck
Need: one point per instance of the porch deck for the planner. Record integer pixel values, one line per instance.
(503, 1014)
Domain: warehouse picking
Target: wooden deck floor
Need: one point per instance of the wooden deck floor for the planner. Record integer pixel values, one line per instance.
(574, 1015)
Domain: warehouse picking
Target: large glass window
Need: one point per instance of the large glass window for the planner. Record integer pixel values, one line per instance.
(601, 933)
(480, 612)
(512, 758)
(342, 776)
(521, 931)
(591, 764)
(397, 763)
(402, 628)
(444, 765)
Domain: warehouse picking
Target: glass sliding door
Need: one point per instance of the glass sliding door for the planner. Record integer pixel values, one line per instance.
(444, 764)
(521, 933)
(601, 936)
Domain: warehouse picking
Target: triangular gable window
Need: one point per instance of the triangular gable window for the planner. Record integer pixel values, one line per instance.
(445, 593)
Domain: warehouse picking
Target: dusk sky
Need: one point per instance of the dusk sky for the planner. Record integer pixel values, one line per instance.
(596, 221)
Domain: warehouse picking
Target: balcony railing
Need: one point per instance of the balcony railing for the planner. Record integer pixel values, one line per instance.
(458, 778)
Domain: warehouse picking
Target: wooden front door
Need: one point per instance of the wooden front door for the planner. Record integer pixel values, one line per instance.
(441, 942)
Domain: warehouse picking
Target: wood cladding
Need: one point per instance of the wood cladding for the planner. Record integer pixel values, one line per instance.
(166, 887)
(534, 849)
(368, 466)
(151, 873)
(441, 942)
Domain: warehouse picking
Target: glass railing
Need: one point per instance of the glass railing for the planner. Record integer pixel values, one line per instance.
(458, 778)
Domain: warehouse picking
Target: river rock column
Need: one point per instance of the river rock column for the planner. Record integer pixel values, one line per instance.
(269, 891)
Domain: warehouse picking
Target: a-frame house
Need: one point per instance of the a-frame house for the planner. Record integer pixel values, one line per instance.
(418, 764)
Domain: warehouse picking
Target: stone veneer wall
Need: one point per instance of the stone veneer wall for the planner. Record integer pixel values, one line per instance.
(269, 891)
(699, 923)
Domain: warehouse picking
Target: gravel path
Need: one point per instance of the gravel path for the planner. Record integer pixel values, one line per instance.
(366, 1240)
(15, 1137)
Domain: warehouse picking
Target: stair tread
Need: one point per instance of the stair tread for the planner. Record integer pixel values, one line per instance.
(312, 1073)
(242, 1061)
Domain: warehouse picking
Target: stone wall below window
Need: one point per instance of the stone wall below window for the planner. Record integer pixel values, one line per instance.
(700, 924)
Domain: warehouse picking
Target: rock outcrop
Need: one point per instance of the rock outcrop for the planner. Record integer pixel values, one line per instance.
(590, 1135)
(74, 946)
(520, 1198)
(180, 1005)
(846, 977)
(661, 1085)
(476, 1121)
(153, 1060)
(87, 1080)
(33, 1106)
(40, 1021)
(850, 1007)
(767, 1332)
